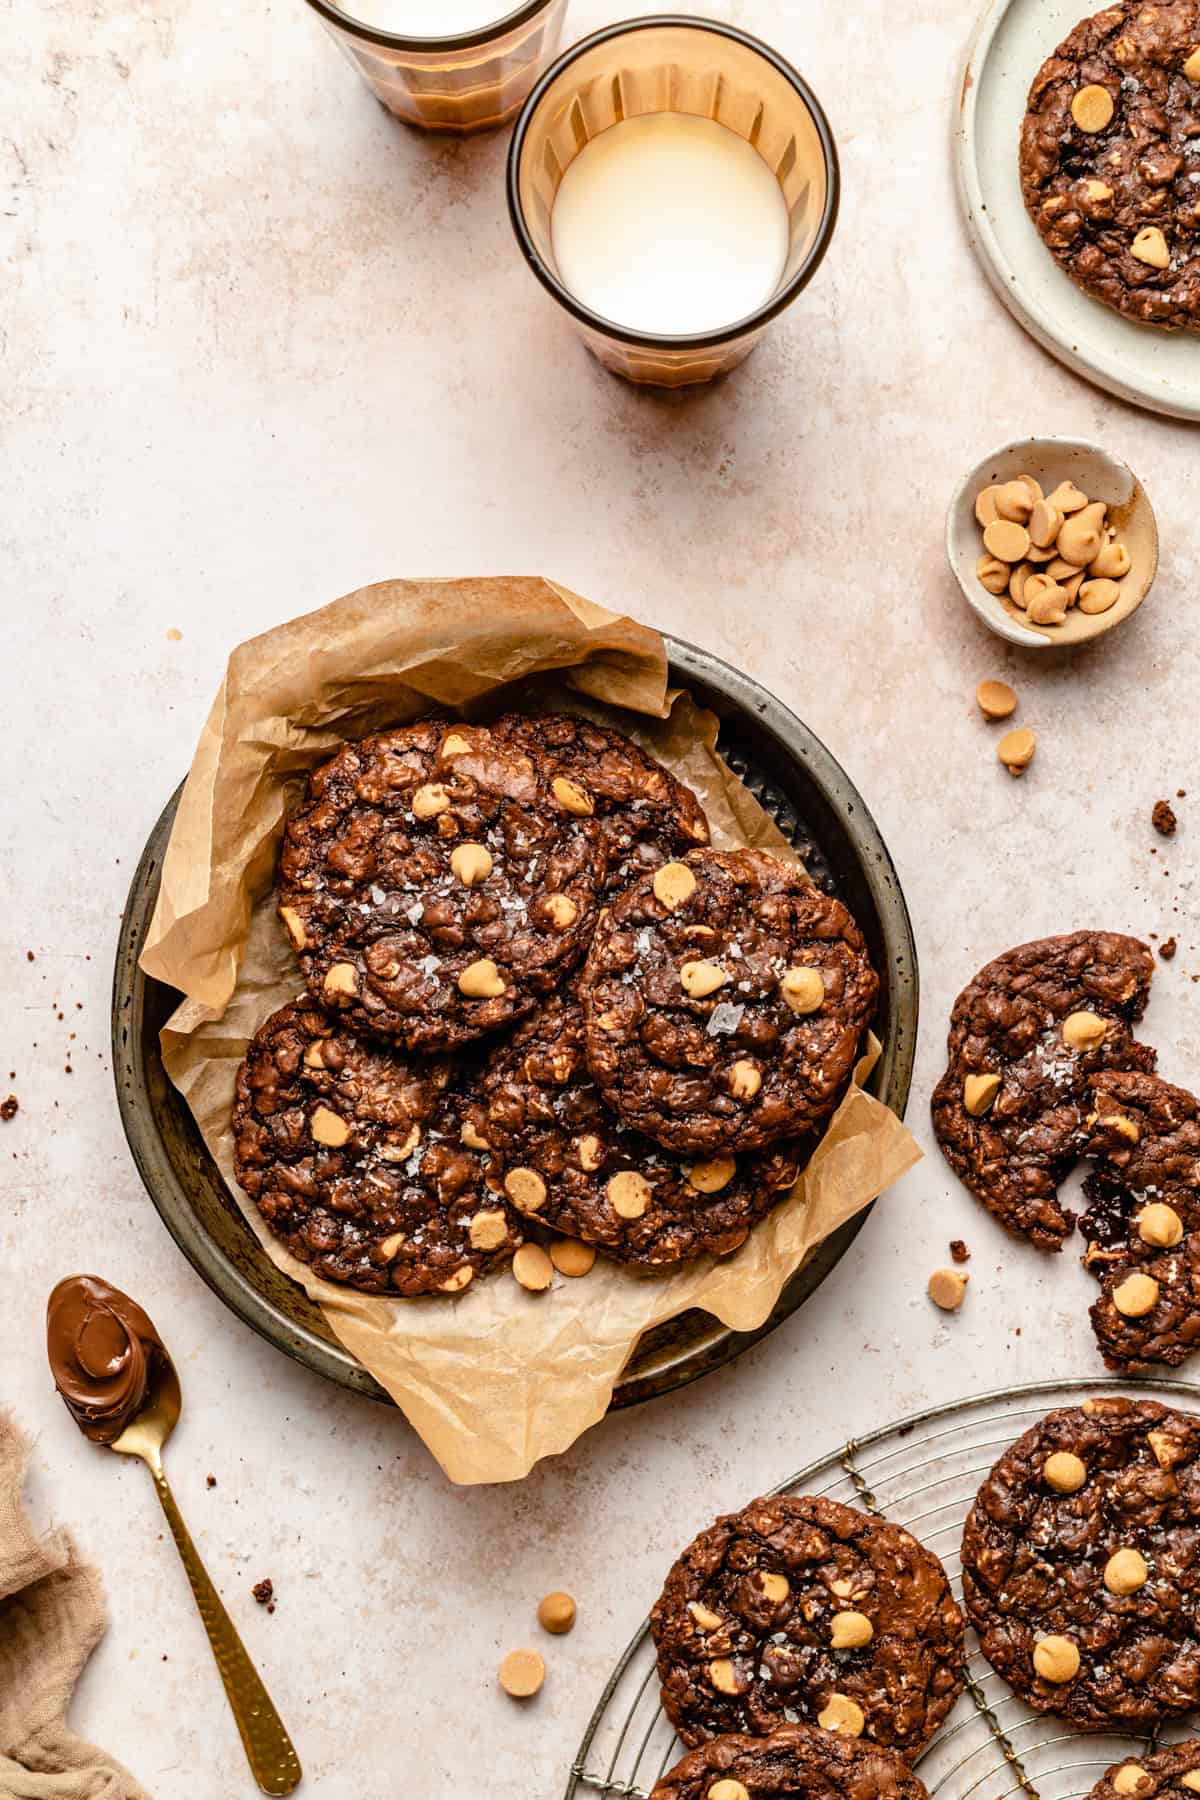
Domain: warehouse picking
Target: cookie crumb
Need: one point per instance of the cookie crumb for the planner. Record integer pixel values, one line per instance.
(1167, 949)
(1163, 818)
(264, 1593)
(210, 1481)
(9, 1108)
(959, 1251)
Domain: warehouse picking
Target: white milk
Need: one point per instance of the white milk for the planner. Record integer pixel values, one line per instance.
(428, 18)
(670, 224)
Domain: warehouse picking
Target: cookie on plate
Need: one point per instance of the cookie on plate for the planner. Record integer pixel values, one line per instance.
(568, 1161)
(1165, 1771)
(724, 998)
(1110, 153)
(1010, 1112)
(352, 1154)
(1143, 1224)
(436, 885)
(796, 1759)
(1081, 1564)
(800, 1610)
(646, 815)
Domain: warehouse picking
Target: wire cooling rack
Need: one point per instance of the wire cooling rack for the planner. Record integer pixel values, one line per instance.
(923, 1473)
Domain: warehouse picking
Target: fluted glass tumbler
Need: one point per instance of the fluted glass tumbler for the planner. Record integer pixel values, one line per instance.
(671, 64)
(474, 80)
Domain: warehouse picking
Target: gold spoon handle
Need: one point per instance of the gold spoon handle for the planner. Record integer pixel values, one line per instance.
(269, 1749)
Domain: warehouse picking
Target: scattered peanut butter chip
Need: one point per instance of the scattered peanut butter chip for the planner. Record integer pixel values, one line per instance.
(1125, 1572)
(295, 926)
(572, 1258)
(1166, 1451)
(723, 1676)
(1129, 1778)
(471, 863)
(328, 1129)
(946, 1288)
(430, 800)
(533, 1268)
(314, 1056)
(710, 1176)
(522, 1673)
(526, 1189)
(1160, 1225)
(1136, 1296)
(556, 1613)
(454, 744)
(979, 1093)
(744, 1080)
(673, 884)
(701, 978)
(995, 699)
(773, 1587)
(850, 1631)
(1084, 1030)
(1191, 67)
(394, 1152)
(705, 1618)
(1150, 247)
(803, 989)
(481, 980)
(561, 910)
(472, 1137)
(1056, 1659)
(1064, 1472)
(1092, 108)
(340, 980)
(842, 1714)
(1016, 750)
(1191, 1780)
(629, 1194)
(590, 1152)
(728, 1789)
(571, 797)
(388, 1246)
(461, 1278)
(842, 1588)
(488, 1230)
(1006, 539)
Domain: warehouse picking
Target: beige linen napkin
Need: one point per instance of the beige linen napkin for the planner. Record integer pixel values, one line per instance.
(52, 1616)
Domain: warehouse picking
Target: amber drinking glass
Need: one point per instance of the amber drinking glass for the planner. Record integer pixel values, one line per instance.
(674, 64)
(470, 82)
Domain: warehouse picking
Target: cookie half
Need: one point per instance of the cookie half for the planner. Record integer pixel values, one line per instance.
(353, 1155)
(800, 1610)
(796, 1759)
(1174, 1771)
(1110, 153)
(1026, 1036)
(1143, 1224)
(564, 1158)
(1081, 1564)
(436, 885)
(725, 997)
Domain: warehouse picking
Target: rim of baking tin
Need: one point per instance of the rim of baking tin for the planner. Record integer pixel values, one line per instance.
(434, 46)
(677, 1366)
(771, 308)
(1099, 368)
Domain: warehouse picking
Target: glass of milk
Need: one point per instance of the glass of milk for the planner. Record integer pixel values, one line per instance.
(448, 65)
(673, 183)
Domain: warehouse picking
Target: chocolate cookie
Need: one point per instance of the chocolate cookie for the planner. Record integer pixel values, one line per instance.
(567, 1160)
(1081, 1564)
(353, 1156)
(796, 1759)
(724, 999)
(646, 815)
(436, 883)
(1110, 159)
(803, 1611)
(1026, 1035)
(1161, 1772)
(1143, 1224)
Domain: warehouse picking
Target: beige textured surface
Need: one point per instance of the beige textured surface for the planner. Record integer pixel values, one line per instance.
(262, 346)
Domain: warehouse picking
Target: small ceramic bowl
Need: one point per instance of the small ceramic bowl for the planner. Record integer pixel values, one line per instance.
(1101, 477)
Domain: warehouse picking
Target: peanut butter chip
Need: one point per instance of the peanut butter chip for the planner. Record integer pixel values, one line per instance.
(804, 990)
(1191, 1780)
(488, 1230)
(947, 1287)
(1056, 1659)
(526, 1189)
(1166, 1451)
(744, 1080)
(1125, 1572)
(471, 863)
(556, 1613)
(472, 1137)
(979, 1093)
(1191, 67)
(387, 1247)
(522, 1673)
(995, 699)
(673, 884)
(314, 1056)
(1092, 108)
(561, 910)
(572, 1258)
(993, 573)
(1016, 750)
(850, 1631)
(1098, 596)
(295, 926)
(772, 1587)
(1136, 1296)
(1084, 1030)
(328, 1129)
(461, 1278)
(430, 800)
(533, 1268)
(454, 745)
(723, 1676)
(711, 1176)
(591, 1152)
(985, 505)
(481, 980)
(629, 1194)
(1160, 1225)
(1129, 1778)
(571, 797)
(1006, 539)
(1150, 247)
(704, 1616)
(728, 1789)
(701, 978)
(1064, 1472)
(842, 1714)
(341, 980)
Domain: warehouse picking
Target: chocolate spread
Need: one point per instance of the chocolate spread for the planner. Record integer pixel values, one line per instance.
(102, 1350)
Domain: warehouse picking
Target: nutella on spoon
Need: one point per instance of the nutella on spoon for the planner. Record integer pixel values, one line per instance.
(103, 1350)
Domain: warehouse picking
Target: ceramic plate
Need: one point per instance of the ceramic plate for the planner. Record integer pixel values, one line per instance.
(1157, 369)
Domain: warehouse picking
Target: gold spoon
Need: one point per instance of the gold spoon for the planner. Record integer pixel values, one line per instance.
(269, 1749)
